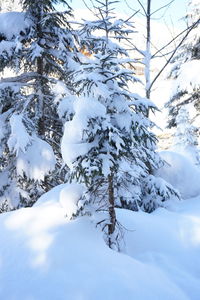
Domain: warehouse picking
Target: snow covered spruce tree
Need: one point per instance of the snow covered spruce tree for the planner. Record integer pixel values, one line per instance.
(107, 143)
(35, 44)
(185, 139)
(185, 68)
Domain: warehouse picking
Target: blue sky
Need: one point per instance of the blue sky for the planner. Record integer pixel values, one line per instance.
(172, 15)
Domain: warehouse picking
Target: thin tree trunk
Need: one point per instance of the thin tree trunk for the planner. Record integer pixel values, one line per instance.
(148, 52)
(40, 65)
(112, 215)
(40, 71)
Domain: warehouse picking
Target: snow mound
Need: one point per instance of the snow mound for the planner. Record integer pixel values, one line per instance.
(69, 197)
(51, 197)
(66, 196)
(181, 173)
(168, 240)
(45, 256)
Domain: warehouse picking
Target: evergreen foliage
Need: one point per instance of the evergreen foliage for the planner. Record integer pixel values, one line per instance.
(185, 139)
(185, 68)
(107, 142)
(30, 140)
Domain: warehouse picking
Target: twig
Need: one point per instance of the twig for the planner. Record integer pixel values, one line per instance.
(178, 35)
(166, 5)
(170, 58)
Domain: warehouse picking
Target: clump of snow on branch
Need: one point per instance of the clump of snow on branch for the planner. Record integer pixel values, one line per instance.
(16, 21)
(73, 144)
(19, 138)
(35, 157)
(37, 161)
(69, 198)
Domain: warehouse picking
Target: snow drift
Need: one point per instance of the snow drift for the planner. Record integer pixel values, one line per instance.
(45, 256)
(181, 173)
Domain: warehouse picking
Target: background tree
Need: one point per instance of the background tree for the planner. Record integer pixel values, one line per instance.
(151, 52)
(185, 138)
(185, 68)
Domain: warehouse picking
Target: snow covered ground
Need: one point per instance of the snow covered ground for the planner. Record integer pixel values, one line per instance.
(43, 255)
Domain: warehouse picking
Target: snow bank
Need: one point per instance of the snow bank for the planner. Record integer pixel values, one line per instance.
(181, 173)
(169, 241)
(45, 256)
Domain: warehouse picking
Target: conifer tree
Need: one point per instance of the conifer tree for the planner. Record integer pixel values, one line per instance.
(107, 143)
(185, 139)
(185, 68)
(30, 138)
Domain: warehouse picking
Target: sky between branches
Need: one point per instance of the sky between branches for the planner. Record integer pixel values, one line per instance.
(171, 16)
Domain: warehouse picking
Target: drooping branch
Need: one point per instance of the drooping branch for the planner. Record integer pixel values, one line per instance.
(162, 7)
(23, 78)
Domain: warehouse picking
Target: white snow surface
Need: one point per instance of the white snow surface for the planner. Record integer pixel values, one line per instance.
(43, 255)
(181, 173)
(69, 198)
(17, 22)
(188, 78)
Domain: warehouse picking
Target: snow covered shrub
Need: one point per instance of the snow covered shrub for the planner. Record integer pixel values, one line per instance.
(156, 193)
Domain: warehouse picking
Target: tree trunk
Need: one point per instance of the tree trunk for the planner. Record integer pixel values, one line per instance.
(148, 52)
(112, 215)
(40, 87)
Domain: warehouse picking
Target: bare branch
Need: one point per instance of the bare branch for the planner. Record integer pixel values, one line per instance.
(135, 48)
(145, 12)
(174, 52)
(133, 8)
(163, 55)
(164, 6)
(135, 13)
(87, 6)
(178, 35)
(23, 78)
